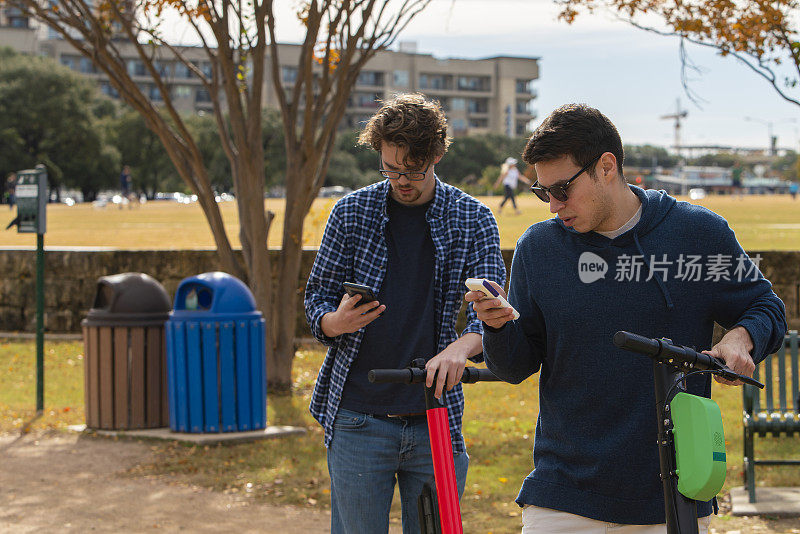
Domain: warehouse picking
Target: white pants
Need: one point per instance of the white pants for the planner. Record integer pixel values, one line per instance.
(536, 520)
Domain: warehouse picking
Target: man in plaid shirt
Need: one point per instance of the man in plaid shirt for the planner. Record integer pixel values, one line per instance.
(414, 240)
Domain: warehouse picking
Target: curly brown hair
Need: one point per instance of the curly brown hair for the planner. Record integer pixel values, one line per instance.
(409, 121)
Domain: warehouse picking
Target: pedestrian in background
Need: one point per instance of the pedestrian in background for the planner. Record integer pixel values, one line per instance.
(510, 177)
(11, 186)
(125, 183)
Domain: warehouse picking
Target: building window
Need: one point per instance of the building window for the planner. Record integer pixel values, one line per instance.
(370, 77)
(69, 61)
(202, 95)
(479, 123)
(151, 91)
(162, 68)
(356, 120)
(524, 107)
(289, 74)
(473, 83)
(365, 100)
(181, 91)
(136, 68)
(458, 104)
(107, 89)
(18, 22)
(459, 125)
(400, 78)
(525, 87)
(205, 68)
(86, 66)
(15, 18)
(478, 105)
(183, 71)
(435, 81)
(523, 127)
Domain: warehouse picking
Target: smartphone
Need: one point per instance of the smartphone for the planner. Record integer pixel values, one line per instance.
(357, 289)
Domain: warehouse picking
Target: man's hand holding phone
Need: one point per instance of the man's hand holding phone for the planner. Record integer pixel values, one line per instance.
(353, 314)
(491, 310)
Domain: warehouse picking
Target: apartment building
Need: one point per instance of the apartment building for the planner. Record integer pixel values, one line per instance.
(490, 95)
(493, 94)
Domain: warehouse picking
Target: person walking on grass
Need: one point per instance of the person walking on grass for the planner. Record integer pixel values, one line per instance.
(413, 240)
(615, 257)
(126, 187)
(510, 178)
(11, 186)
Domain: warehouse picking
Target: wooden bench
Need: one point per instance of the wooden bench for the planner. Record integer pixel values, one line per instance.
(762, 416)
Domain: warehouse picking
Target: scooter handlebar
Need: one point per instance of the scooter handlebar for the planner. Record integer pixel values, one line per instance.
(637, 343)
(414, 375)
(664, 351)
(409, 375)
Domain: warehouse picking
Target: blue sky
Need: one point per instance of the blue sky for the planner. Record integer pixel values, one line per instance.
(630, 75)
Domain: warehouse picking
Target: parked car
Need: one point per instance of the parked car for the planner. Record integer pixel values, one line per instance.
(697, 194)
(334, 191)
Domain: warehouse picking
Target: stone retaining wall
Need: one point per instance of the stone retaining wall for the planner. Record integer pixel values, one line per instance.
(71, 276)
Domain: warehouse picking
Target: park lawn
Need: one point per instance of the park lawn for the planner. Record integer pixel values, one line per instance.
(498, 426)
(761, 222)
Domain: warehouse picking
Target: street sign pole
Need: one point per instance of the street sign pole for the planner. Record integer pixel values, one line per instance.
(32, 194)
(39, 323)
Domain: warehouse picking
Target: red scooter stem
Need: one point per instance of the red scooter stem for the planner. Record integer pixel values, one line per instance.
(444, 470)
(449, 520)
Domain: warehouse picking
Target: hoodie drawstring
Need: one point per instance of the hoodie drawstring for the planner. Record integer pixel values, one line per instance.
(660, 282)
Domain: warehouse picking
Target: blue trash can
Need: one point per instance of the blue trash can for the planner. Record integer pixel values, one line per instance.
(215, 357)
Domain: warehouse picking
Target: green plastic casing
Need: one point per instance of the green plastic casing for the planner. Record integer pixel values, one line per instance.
(699, 446)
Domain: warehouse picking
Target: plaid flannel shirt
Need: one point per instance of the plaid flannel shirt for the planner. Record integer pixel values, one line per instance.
(353, 249)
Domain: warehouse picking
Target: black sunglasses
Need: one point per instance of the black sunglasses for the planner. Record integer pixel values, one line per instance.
(559, 191)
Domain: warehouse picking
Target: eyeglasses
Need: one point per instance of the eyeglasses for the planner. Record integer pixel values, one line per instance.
(415, 176)
(559, 191)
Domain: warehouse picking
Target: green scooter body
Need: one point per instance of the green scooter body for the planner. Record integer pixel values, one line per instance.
(699, 446)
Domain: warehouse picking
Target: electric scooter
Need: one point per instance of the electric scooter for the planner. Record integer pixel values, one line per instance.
(691, 443)
(439, 510)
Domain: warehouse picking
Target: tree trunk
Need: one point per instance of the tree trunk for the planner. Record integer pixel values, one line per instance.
(288, 290)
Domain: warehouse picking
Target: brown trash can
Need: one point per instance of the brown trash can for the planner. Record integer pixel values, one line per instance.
(125, 384)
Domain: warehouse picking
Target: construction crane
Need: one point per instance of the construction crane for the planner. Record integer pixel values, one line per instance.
(678, 115)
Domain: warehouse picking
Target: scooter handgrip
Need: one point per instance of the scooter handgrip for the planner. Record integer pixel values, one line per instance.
(474, 374)
(636, 343)
(399, 376)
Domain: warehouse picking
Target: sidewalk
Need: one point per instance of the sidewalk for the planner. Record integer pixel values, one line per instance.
(70, 483)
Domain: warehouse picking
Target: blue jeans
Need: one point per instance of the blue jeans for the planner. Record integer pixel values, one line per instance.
(367, 455)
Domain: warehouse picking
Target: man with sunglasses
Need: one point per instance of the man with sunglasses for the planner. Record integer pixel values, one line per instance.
(615, 257)
(413, 240)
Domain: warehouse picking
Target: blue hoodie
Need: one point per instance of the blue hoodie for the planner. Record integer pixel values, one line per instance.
(595, 451)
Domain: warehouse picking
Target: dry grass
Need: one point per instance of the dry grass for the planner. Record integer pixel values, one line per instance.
(761, 223)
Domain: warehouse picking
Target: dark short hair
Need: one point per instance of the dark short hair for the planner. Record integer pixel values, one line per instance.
(411, 122)
(578, 131)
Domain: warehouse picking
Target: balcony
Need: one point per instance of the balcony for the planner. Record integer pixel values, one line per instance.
(359, 100)
(436, 82)
(525, 87)
(370, 78)
(474, 83)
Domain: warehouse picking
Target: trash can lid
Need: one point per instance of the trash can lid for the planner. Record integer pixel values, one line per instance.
(129, 297)
(214, 293)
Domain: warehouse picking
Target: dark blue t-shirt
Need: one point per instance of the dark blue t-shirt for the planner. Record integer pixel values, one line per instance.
(407, 329)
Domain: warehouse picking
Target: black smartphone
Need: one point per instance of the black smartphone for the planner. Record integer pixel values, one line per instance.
(357, 289)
